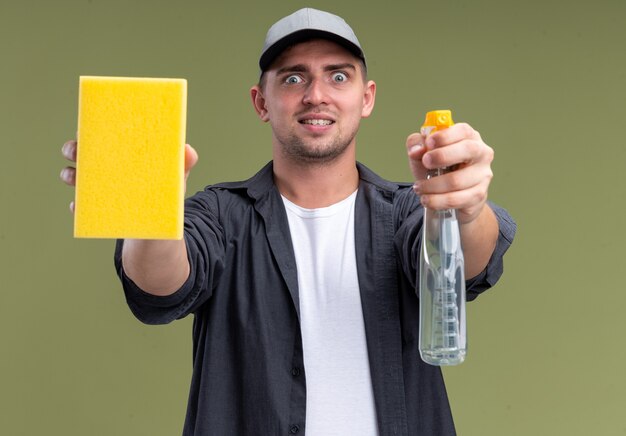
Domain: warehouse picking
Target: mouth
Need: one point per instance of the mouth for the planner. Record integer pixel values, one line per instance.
(316, 120)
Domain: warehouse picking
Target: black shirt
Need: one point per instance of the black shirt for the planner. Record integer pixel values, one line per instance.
(248, 373)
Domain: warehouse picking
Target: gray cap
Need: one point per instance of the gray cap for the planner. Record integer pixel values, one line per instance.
(306, 24)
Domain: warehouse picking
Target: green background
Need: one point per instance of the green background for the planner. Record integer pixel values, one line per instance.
(543, 81)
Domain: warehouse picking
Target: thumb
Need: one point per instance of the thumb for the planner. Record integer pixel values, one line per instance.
(191, 158)
(416, 153)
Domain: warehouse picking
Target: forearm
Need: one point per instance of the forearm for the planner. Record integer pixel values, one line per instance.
(478, 239)
(158, 267)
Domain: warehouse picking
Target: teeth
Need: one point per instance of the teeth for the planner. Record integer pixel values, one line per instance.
(318, 122)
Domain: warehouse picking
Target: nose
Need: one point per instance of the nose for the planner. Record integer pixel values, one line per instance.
(315, 94)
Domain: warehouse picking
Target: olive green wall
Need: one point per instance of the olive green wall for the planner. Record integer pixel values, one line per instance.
(543, 81)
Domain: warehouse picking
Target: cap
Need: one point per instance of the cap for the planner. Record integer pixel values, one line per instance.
(439, 120)
(306, 24)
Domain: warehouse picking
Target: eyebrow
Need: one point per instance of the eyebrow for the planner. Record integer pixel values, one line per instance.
(301, 68)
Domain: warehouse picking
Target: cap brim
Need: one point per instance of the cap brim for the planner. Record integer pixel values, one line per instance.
(279, 46)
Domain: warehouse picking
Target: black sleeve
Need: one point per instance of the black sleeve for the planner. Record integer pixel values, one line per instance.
(494, 269)
(204, 238)
(408, 240)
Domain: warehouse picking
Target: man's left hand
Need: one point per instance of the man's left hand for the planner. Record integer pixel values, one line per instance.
(464, 189)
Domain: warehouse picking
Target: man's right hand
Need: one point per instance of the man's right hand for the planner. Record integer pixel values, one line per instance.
(68, 174)
(158, 267)
(69, 149)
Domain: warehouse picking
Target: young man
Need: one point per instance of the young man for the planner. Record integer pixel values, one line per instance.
(302, 280)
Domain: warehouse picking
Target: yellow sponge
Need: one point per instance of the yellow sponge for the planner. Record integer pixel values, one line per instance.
(131, 158)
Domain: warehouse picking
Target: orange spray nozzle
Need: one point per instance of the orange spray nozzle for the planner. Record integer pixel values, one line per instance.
(438, 120)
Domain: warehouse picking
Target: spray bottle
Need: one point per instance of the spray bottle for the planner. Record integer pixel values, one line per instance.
(443, 339)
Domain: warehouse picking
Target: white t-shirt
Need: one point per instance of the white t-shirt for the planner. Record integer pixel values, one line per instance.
(340, 399)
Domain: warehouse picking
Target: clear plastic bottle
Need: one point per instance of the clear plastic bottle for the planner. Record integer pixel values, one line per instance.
(443, 337)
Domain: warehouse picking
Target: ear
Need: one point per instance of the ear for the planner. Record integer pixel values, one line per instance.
(258, 102)
(369, 97)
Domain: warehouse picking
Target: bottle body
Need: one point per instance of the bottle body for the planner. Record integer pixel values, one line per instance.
(443, 336)
(443, 339)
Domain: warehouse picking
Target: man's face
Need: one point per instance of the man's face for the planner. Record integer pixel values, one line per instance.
(314, 96)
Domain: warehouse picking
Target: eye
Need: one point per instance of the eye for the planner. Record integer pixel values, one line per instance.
(340, 77)
(293, 79)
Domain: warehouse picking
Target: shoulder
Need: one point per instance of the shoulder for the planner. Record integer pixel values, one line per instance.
(247, 190)
(369, 177)
(399, 194)
(385, 199)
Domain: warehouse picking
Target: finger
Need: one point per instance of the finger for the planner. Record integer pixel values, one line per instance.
(69, 150)
(68, 175)
(465, 201)
(464, 151)
(415, 155)
(415, 151)
(413, 140)
(72, 207)
(451, 135)
(458, 180)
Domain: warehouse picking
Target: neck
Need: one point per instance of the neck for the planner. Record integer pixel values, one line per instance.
(312, 185)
